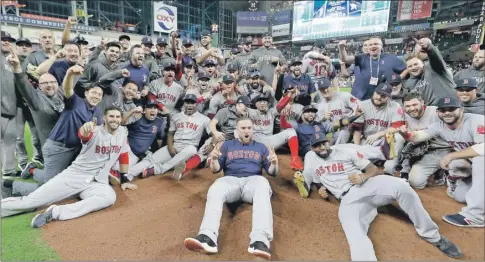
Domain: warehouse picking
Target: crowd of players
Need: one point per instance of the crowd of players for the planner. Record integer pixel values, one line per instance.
(121, 112)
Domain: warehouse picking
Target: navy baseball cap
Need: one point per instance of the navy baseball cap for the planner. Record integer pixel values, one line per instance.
(466, 82)
(113, 43)
(189, 63)
(190, 97)
(320, 43)
(260, 97)
(309, 108)
(80, 40)
(318, 138)
(203, 76)
(162, 41)
(151, 103)
(124, 37)
(168, 64)
(209, 62)
(206, 33)
(266, 34)
(243, 100)
(187, 42)
(446, 102)
(295, 61)
(146, 40)
(228, 79)
(23, 40)
(323, 83)
(384, 89)
(255, 73)
(395, 79)
(7, 37)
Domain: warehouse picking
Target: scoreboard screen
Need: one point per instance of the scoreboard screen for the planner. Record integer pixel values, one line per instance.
(333, 18)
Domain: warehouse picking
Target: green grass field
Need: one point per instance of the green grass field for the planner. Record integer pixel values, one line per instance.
(19, 240)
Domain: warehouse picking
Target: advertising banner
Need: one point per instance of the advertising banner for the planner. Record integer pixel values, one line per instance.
(415, 9)
(252, 22)
(164, 18)
(391, 41)
(283, 17)
(414, 27)
(44, 23)
(280, 30)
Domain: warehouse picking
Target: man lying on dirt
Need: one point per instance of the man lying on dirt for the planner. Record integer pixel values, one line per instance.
(339, 170)
(87, 177)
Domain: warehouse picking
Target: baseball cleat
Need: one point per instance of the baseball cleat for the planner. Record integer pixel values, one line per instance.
(260, 249)
(148, 172)
(114, 177)
(388, 147)
(460, 221)
(37, 163)
(42, 219)
(179, 170)
(296, 163)
(201, 243)
(448, 247)
(299, 181)
(26, 171)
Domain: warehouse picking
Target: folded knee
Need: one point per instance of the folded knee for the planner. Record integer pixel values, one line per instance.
(107, 198)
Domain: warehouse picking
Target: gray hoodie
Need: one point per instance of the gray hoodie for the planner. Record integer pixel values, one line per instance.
(45, 110)
(436, 80)
(7, 89)
(151, 63)
(94, 71)
(477, 106)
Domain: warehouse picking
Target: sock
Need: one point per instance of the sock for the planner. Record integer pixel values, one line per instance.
(192, 163)
(293, 144)
(8, 183)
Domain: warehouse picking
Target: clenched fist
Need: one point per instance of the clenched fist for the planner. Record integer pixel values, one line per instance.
(356, 179)
(75, 70)
(323, 192)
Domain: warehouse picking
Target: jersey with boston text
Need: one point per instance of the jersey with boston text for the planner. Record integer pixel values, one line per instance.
(188, 129)
(342, 105)
(167, 95)
(263, 122)
(429, 117)
(333, 172)
(470, 132)
(377, 119)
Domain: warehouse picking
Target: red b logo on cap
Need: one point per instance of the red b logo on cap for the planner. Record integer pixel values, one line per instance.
(465, 81)
(447, 100)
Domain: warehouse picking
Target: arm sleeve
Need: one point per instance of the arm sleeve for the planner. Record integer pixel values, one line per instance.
(397, 117)
(107, 79)
(284, 122)
(358, 159)
(27, 91)
(311, 86)
(85, 80)
(222, 159)
(161, 131)
(308, 170)
(359, 59)
(84, 139)
(478, 130)
(173, 125)
(264, 156)
(222, 116)
(436, 60)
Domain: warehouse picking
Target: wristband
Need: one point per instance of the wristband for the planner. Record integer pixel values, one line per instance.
(362, 179)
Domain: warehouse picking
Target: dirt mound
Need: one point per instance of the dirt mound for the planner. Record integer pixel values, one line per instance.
(152, 222)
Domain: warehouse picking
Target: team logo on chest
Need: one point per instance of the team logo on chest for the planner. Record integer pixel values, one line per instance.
(154, 129)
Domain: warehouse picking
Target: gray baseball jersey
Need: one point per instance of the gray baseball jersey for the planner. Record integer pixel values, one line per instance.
(263, 123)
(167, 95)
(334, 170)
(342, 105)
(241, 61)
(188, 129)
(100, 153)
(470, 132)
(429, 117)
(201, 51)
(379, 119)
(202, 106)
(314, 68)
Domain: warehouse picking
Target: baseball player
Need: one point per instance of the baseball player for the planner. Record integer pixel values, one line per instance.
(317, 65)
(263, 118)
(419, 117)
(225, 119)
(241, 60)
(266, 58)
(338, 170)
(299, 80)
(465, 134)
(397, 89)
(142, 132)
(165, 90)
(242, 161)
(335, 106)
(255, 86)
(210, 68)
(186, 130)
(87, 177)
(474, 71)
(203, 92)
(471, 100)
(380, 119)
(227, 96)
(206, 52)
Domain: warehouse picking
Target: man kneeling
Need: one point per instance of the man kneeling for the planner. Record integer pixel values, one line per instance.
(87, 176)
(242, 161)
(339, 171)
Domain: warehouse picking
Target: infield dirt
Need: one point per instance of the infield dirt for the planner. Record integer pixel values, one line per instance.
(152, 222)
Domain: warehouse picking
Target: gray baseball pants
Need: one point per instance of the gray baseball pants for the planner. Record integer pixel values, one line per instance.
(7, 145)
(24, 115)
(229, 189)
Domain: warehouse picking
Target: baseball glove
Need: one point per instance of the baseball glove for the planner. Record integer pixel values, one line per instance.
(413, 151)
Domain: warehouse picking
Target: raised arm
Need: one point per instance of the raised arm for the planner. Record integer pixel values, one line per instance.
(349, 59)
(68, 83)
(46, 65)
(66, 34)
